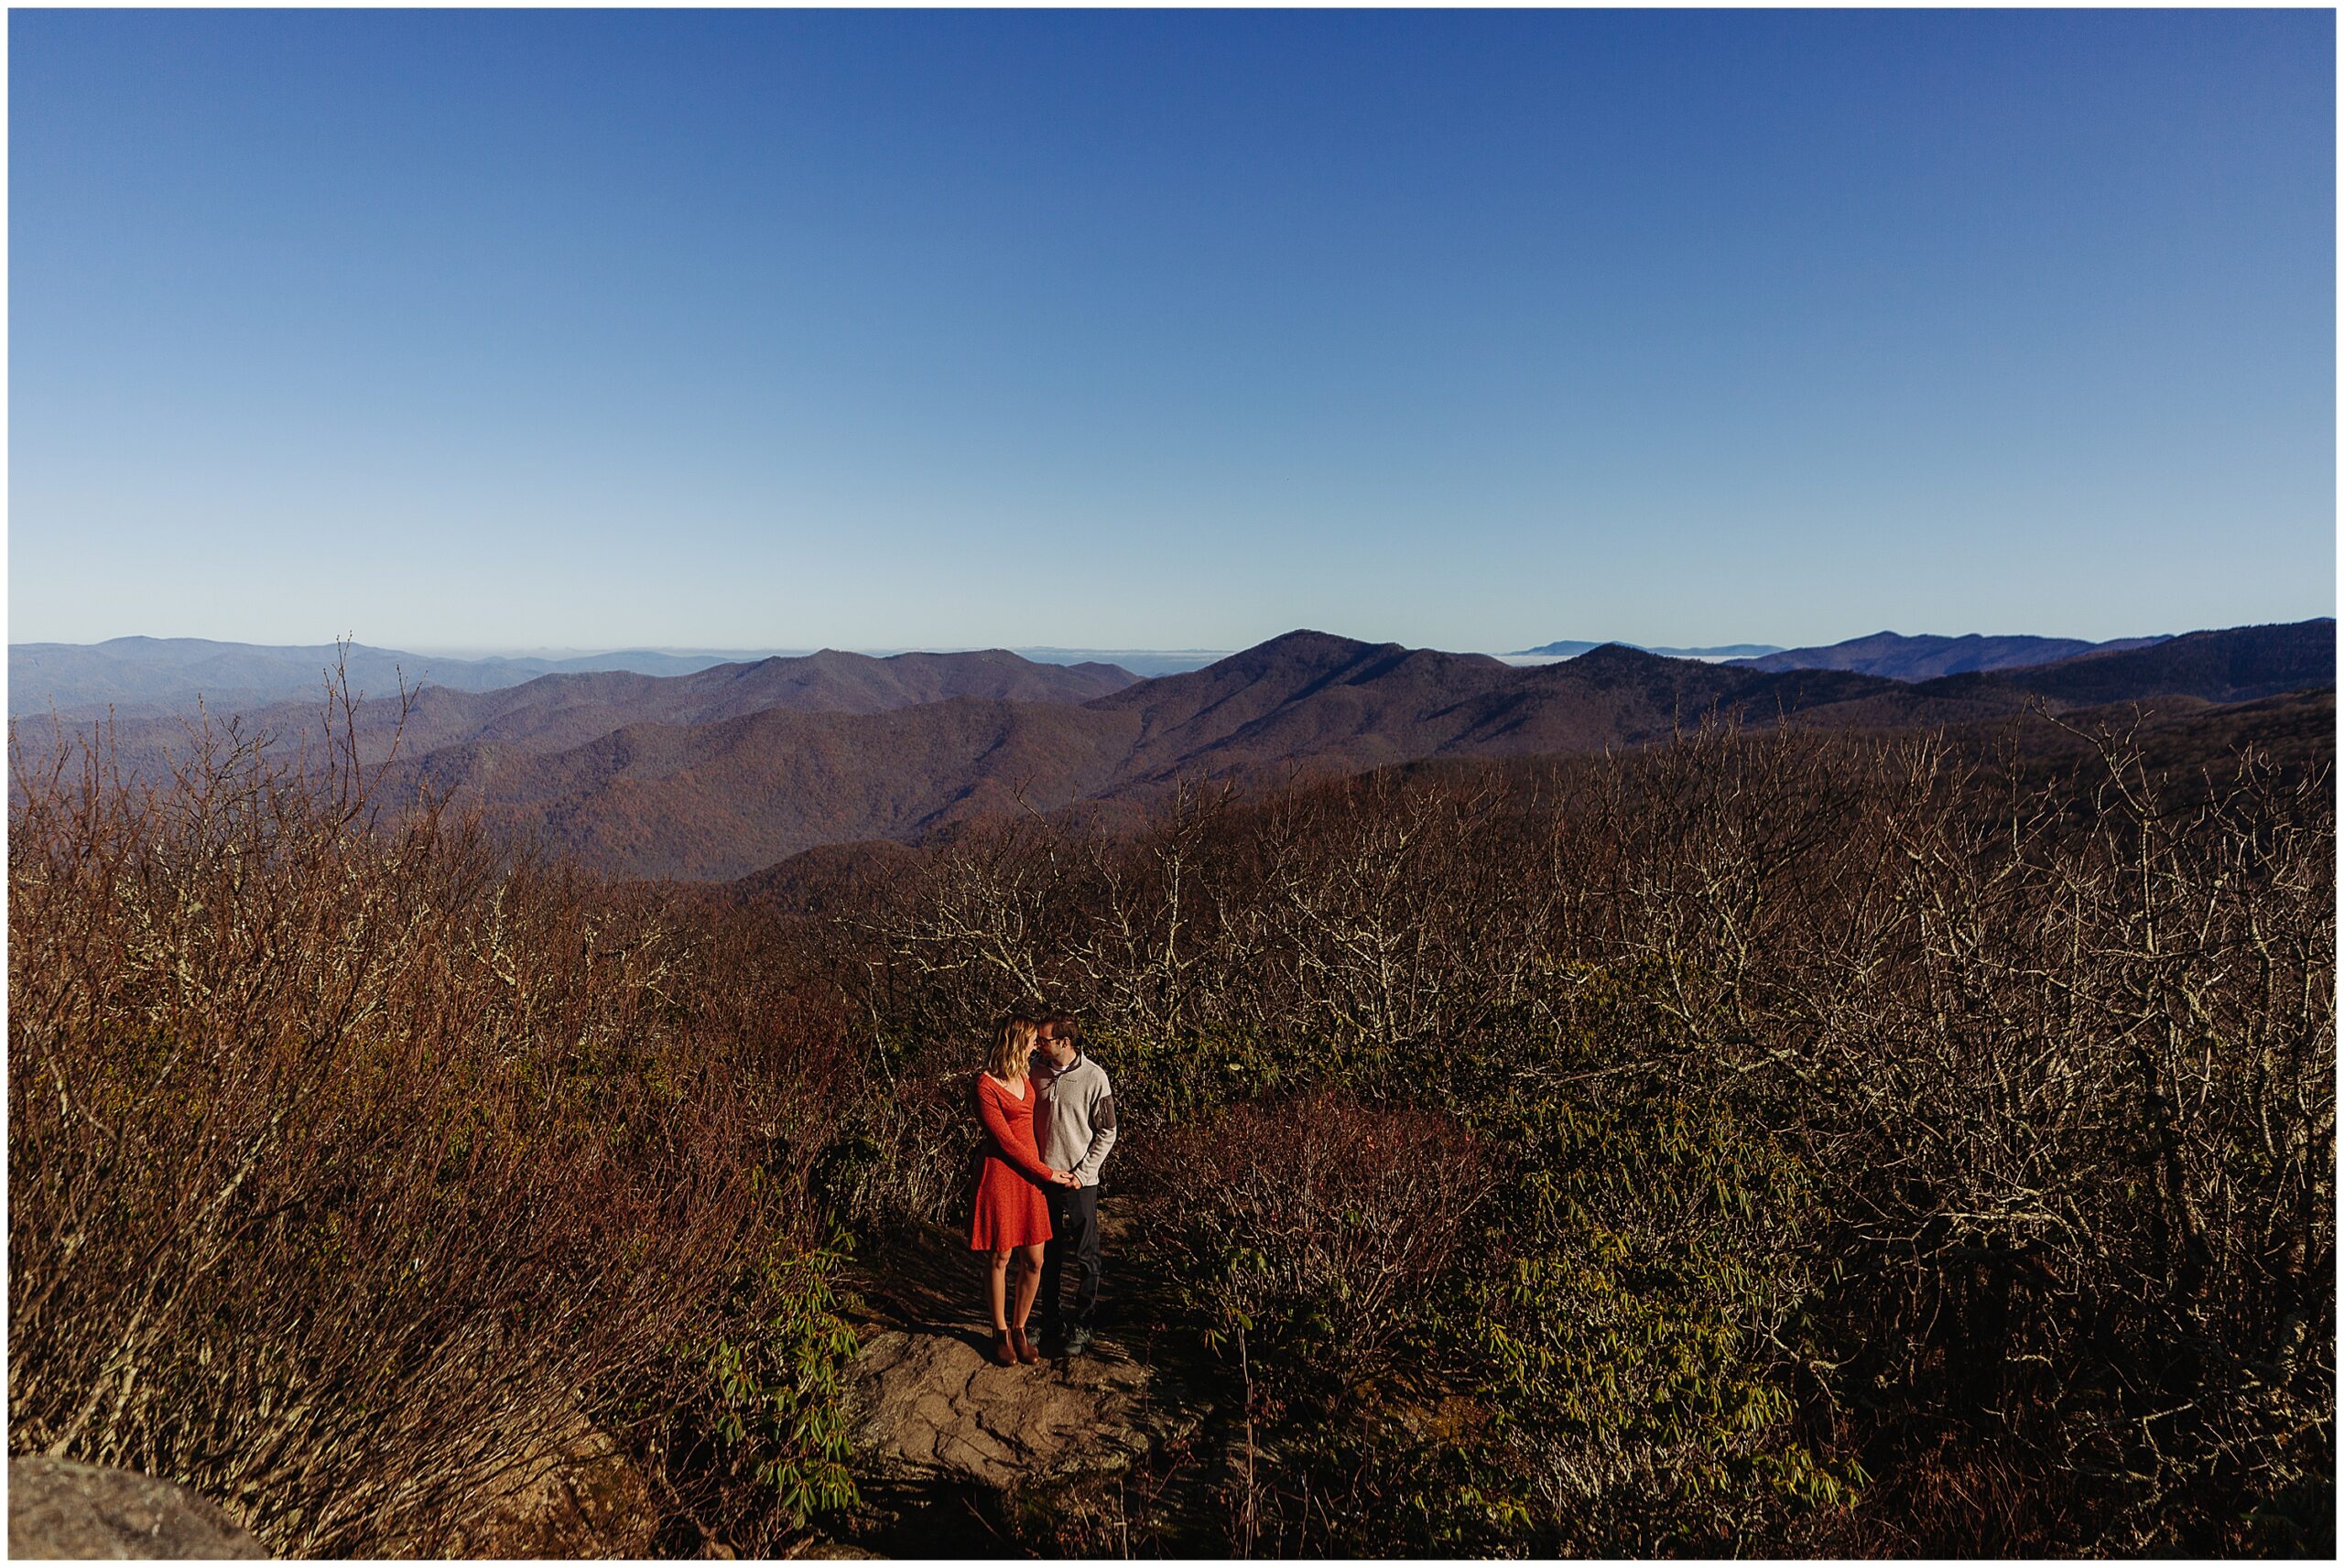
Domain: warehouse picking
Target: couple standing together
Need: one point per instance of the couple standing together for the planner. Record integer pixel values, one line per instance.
(1049, 1119)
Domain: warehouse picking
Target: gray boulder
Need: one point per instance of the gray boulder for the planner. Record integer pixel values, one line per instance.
(60, 1508)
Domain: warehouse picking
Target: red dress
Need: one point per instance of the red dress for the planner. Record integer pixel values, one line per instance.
(1011, 1209)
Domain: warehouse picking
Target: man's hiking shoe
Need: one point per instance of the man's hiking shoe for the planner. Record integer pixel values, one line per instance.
(1078, 1340)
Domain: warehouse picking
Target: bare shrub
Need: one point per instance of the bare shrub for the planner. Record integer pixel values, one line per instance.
(1308, 1237)
(1316, 1220)
(1961, 1123)
(2100, 1063)
(2065, 1050)
(349, 1164)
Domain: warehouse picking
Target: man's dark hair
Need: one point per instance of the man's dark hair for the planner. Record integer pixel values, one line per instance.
(1063, 1026)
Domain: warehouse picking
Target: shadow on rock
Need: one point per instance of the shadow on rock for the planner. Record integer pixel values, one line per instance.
(945, 1437)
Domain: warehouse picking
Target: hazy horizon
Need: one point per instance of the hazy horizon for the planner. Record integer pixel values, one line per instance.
(1168, 330)
(592, 650)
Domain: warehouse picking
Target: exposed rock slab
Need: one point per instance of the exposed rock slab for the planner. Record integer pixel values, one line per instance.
(933, 1407)
(58, 1509)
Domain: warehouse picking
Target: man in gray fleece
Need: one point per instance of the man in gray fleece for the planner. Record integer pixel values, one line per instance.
(1075, 1125)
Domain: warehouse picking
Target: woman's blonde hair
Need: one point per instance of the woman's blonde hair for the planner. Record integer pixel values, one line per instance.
(1008, 1060)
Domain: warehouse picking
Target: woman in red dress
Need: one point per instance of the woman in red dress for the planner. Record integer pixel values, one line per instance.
(1011, 1214)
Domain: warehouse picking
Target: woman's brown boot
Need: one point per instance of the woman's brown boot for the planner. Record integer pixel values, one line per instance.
(1003, 1351)
(1025, 1352)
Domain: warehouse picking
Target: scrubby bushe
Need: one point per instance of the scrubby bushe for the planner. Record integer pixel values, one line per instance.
(1777, 1143)
(352, 1166)
(1886, 1150)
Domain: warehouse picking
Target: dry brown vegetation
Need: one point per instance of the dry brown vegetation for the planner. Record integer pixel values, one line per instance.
(1901, 1151)
(351, 1169)
(1780, 1143)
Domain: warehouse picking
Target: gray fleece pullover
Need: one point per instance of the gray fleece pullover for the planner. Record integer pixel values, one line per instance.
(1074, 1121)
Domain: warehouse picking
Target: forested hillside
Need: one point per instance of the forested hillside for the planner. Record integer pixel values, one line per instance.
(724, 772)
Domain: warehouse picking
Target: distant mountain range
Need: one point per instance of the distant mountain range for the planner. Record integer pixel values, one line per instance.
(143, 674)
(719, 773)
(1886, 653)
(1899, 657)
(1569, 650)
(557, 711)
(1146, 662)
(147, 676)
(711, 801)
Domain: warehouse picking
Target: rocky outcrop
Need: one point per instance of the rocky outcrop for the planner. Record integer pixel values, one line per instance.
(60, 1508)
(948, 1442)
(934, 1408)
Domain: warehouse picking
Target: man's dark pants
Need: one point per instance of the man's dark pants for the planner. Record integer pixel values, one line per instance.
(1074, 1229)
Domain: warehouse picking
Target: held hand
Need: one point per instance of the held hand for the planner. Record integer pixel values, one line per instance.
(1066, 1178)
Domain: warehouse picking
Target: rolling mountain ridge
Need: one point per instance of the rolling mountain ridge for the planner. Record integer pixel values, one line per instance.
(556, 712)
(140, 677)
(717, 800)
(150, 677)
(2234, 666)
(714, 773)
(1923, 658)
(1571, 648)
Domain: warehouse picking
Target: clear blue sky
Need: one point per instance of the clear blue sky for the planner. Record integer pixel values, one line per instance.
(1167, 329)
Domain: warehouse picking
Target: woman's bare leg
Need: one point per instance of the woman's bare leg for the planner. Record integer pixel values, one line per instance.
(997, 1282)
(1029, 1279)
